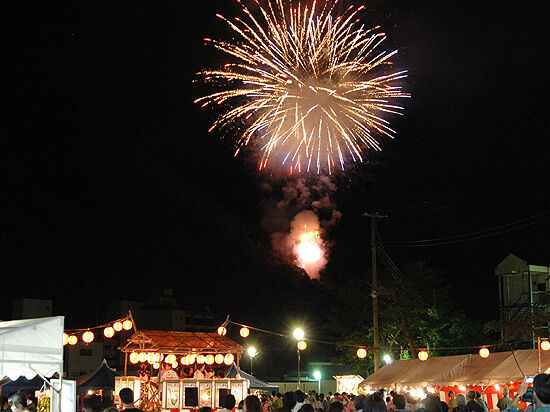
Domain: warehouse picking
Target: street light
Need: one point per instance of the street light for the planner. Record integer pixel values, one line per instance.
(251, 352)
(317, 376)
(388, 359)
(299, 335)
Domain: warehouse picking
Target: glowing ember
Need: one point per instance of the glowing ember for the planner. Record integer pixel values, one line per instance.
(308, 249)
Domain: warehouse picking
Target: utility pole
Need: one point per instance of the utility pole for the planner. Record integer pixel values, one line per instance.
(374, 292)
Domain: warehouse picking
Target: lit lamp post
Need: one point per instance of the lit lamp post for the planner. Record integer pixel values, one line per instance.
(251, 352)
(317, 375)
(301, 345)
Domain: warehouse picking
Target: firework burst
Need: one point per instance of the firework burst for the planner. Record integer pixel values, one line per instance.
(309, 87)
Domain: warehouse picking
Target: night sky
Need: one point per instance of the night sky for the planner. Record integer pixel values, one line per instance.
(112, 186)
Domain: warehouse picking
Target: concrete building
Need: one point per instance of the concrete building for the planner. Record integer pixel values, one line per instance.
(523, 289)
(82, 358)
(31, 308)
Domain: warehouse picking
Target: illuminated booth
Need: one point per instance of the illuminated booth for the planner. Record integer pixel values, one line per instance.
(150, 349)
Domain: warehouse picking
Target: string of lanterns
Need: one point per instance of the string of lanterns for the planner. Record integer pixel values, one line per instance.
(88, 336)
(423, 354)
(155, 358)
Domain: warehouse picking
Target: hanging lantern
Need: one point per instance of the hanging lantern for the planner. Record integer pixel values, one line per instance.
(127, 324)
(175, 364)
(184, 360)
(219, 358)
(201, 359)
(244, 332)
(142, 357)
(229, 359)
(361, 353)
(88, 336)
(156, 357)
(134, 358)
(545, 345)
(117, 326)
(72, 340)
(156, 365)
(171, 358)
(484, 352)
(149, 358)
(301, 345)
(109, 332)
(423, 355)
(222, 331)
(209, 359)
(192, 359)
(65, 338)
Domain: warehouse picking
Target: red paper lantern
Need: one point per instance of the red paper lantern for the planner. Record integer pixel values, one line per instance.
(423, 355)
(117, 326)
(127, 324)
(361, 353)
(545, 345)
(88, 336)
(484, 353)
(222, 331)
(72, 340)
(65, 338)
(219, 358)
(229, 359)
(244, 332)
(209, 359)
(109, 332)
(134, 358)
(301, 345)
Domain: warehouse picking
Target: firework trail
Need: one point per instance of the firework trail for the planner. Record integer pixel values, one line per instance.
(309, 88)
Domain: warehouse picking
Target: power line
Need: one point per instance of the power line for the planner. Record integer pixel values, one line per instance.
(479, 234)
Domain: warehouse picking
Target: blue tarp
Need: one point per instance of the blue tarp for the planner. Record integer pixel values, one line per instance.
(102, 378)
(34, 384)
(255, 383)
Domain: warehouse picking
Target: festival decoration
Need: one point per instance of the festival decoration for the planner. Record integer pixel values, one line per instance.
(361, 353)
(219, 358)
(209, 359)
(117, 326)
(109, 332)
(127, 324)
(545, 345)
(423, 355)
(301, 345)
(222, 331)
(244, 332)
(134, 357)
(88, 336)
(65, 338)
(72, 340)
(229, 359)
(484, 352)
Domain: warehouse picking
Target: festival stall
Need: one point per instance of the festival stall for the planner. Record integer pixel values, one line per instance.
(189, 350)
(34, 347)
(348, 383)
(255, 383)
(460, 374)
(97, 381)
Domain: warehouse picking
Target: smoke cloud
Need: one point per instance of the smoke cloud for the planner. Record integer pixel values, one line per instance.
(298, 223)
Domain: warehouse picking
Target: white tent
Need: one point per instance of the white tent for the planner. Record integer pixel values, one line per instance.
(31, 347)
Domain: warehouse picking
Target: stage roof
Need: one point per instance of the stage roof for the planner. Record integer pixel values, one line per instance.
(180, 342)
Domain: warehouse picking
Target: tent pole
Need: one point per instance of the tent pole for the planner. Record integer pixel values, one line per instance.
(125, 363)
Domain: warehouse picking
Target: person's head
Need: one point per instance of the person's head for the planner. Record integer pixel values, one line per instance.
(300, 396)
(460, 400)
(359, 401)
(471, 395)
(399, 401)
(241, 405)
(541, 389)
(375, 403)
(252, 404)
(289, 400)
(205, 409)
(432, 404)
(478, 396)
(279, 395)
(306, 407)
(451, 394)
(91, 403)
(321, 396)
(336, 407)
(229, 401)
(126, 396)
(505, 392)
(17, 401)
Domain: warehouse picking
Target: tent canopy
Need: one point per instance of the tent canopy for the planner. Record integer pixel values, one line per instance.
(31, 346)
(180, 342)
(470, 369)
(101, 378)
(255, 383)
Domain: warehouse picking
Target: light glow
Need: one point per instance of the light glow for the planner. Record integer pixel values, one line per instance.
(298, 334)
